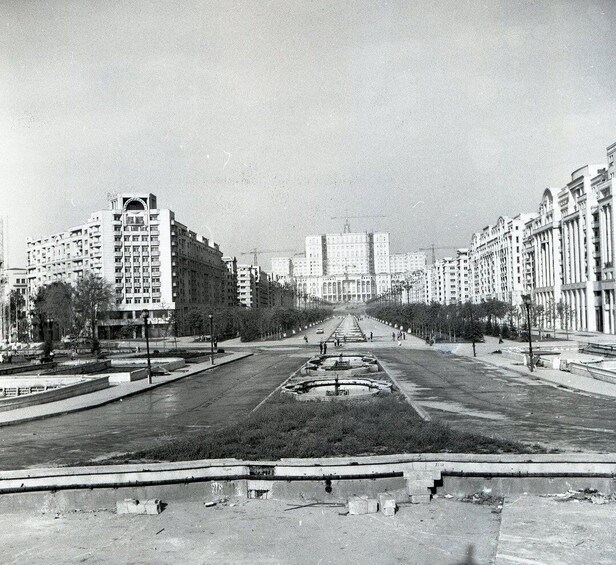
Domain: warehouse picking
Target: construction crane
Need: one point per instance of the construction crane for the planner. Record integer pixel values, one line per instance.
(434, 247)
(255, 251)
(346, 218)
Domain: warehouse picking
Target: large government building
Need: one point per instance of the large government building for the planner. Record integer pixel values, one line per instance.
(346, 267)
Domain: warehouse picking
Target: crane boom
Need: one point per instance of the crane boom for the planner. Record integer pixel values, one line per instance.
(346, 218)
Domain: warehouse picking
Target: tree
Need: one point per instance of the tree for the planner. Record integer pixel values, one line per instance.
(58, 305)
(195, 321)
(93, 296)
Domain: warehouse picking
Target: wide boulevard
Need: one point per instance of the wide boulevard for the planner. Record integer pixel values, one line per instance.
(467, 393)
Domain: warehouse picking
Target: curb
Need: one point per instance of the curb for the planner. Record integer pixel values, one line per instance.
(97, 404)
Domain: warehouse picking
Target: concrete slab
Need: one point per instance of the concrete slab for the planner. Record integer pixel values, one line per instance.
(542, 530)
(256, 531)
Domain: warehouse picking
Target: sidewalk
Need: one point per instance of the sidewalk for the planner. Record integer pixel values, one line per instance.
(553, 376)
(107, 395)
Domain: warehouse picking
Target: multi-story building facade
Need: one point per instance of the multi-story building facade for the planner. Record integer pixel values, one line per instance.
(14, 280)
(496, 261)
(340, 267)
(569, 251)
(401, 265)
(446, 281)
(153, 261)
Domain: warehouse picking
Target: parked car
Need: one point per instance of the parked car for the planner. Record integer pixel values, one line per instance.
(320, 331)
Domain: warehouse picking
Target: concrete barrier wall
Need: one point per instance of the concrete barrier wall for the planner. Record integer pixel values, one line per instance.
(69, 391)
(79, 368)
(16, 369)
(128, 376)
(580, 466)
(585, 370)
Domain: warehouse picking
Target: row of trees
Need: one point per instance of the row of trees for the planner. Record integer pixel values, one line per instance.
(66, 310)
(254, 323)
(463, 321)
(457, 321)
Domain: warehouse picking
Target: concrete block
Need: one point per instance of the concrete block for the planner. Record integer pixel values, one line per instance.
(132, 506)
(357, 505)
(420, 498)
(387, 504)
(419, 487)
(371, 504)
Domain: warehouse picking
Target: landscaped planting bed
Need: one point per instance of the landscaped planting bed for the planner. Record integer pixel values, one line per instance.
(286, 428)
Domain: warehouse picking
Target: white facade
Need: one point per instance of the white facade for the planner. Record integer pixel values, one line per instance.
(341, 267)
(153, 261)
(401, 264)
(447, 280)
(496, 261)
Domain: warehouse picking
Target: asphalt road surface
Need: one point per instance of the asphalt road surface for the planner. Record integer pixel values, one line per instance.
(207, 401)
(477, 397)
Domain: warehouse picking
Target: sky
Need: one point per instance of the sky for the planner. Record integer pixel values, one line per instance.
(258, 122)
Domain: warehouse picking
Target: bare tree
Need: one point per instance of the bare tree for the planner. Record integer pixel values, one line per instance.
(93, 296)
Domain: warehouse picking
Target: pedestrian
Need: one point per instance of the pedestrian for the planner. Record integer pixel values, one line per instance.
(325, 348)
(9, 356)
(215, 343)
(321, 347)
(344, 338)
(393, 336)
(306, 338)
(403, 335)
(371, 336)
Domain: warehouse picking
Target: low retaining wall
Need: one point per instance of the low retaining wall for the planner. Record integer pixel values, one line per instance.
(578, 467)
(79, 368)
(84, 387)
(16, 369)
(128, 376)
(586, 370)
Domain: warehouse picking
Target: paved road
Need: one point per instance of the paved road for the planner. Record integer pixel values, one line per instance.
(210, 400)
(478, 397)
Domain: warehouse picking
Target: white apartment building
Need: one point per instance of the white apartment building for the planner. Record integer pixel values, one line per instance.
(496, 261)
(569, 251)
(448, 279)
(152, 260)
(402, 264)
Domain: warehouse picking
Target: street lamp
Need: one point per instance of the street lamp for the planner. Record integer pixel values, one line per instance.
(211, 337)
(145, 314)
(528, 302)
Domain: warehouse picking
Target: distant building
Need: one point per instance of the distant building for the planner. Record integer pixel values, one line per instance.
(496, 261)
(340, 267)
(152, 260)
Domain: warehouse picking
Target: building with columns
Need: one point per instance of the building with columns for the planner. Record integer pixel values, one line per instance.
(496, 261)
(340, 267)
(569, 251)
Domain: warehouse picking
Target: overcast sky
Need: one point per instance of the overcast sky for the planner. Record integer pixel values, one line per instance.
(256, 122)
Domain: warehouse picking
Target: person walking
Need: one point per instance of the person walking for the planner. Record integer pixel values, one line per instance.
(393, 336)
(306, 338)
(321, 347)
(371, 336)
(325, 348)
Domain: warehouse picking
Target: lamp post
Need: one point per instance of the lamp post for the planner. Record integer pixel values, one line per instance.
(145, 314)
(211, 317)
(470, 305)
(528, 302)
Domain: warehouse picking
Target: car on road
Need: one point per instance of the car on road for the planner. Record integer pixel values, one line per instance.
(320, 331)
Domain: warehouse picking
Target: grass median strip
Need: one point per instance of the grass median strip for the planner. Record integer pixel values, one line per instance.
(284, 427)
